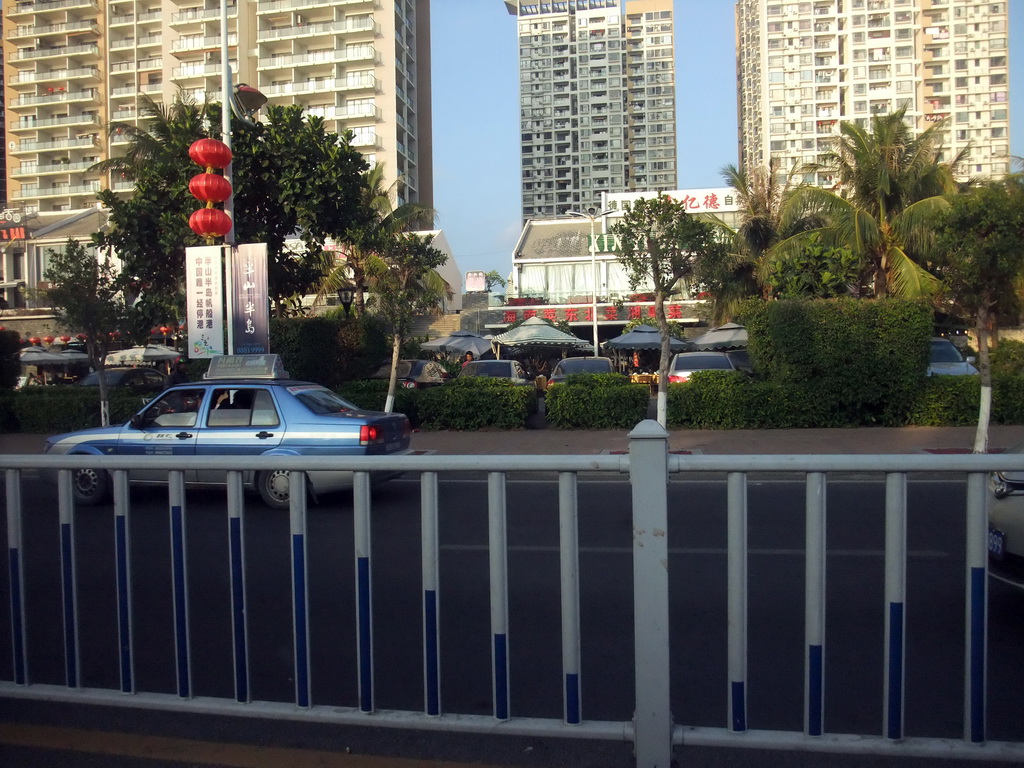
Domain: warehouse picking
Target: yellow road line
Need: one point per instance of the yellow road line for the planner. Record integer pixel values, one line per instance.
(209, 753)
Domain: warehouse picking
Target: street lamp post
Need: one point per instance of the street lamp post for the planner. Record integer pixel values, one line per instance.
(592, 215)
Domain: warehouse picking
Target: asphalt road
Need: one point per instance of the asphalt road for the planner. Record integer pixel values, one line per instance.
(854, 636)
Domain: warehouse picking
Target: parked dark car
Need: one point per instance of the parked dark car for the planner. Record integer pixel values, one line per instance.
(686, 363)
(571, 365)
(415, 374)
(144, 381)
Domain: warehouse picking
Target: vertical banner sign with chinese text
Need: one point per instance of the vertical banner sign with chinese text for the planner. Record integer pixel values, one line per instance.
(250, 307)
(204, 273)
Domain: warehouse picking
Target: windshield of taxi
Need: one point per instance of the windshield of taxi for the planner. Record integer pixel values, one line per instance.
(321, 400)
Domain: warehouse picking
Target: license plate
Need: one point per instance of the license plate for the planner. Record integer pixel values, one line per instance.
(996, 542)
(394, 446)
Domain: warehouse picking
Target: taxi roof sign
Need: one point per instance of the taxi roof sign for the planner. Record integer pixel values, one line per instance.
(246, 367)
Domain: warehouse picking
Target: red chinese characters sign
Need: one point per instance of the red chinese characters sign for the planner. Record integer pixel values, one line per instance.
(586, 314)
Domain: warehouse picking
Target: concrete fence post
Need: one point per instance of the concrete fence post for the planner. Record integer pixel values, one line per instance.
(648, 469)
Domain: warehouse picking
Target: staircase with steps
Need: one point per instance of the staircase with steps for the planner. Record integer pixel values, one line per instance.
(435, 327)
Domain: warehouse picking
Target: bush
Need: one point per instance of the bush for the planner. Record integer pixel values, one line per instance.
(1007, 357)
(597, 401)
(371, 395)
(10, 365)
(733, 400)
(861, 361)
(55, 409)
(329, 350)
(475, 403)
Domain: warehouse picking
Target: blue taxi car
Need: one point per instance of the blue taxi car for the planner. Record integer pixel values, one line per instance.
(246, 405)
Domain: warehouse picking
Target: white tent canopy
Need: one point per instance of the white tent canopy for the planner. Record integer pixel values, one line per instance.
(535, 332)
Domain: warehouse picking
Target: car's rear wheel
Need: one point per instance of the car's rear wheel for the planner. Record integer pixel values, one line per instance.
(274, 488)
(90, 486)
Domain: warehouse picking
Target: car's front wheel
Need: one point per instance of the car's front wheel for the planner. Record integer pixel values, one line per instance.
(274, 488)
(90, 486)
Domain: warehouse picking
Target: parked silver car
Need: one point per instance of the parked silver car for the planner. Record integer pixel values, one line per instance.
(946, 360)
(685, 363)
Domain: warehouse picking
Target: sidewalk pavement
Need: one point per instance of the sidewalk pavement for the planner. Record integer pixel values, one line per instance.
(546, 440)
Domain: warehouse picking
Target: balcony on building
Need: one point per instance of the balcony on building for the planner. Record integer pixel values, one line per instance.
(25, 56)
(193, 15)
(18, 10)
(39, 192)
(33, 124)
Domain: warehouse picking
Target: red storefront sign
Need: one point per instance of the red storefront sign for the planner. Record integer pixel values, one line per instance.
(608, 313)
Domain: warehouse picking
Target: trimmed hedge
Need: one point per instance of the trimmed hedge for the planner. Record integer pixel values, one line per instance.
(329, 350)
(371, 395)
(56, 409)
(477, 402)
(862, 362)
(596, 401)
(10, 365)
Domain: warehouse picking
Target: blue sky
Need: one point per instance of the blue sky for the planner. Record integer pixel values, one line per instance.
(476, 115)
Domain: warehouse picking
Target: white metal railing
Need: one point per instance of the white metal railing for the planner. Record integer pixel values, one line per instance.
(649, 466)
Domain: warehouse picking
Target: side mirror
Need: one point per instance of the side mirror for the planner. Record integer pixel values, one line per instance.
(136, 421)
(971, 359)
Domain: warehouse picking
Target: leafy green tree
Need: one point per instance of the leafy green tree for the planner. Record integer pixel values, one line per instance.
(405, 272)
(290, 176)
(982, 266)
(86, 294)
(890, 186)
(293, 178)
(663, 246)
(818, 271)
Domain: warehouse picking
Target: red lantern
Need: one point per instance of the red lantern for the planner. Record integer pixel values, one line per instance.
(3, 327)
(34, 340)
(164, 330)
(210, 153)
(65, 338)
(210, 187)
(49, 339)
(82, 337)
(210, 222)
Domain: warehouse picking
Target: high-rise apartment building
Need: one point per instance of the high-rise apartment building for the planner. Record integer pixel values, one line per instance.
(597, 101)
(806, 66)
(74, 66)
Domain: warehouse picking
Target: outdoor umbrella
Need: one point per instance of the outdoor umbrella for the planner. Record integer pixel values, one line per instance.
(68, 356)
(645, 337)
(39, 356)
(151, 353)
(459, 343)
(728, 336)
(537, 333)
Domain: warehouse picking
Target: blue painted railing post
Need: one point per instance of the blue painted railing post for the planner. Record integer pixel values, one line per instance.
(814, 605)
(976, 661)
(16, 576)
(648, 469)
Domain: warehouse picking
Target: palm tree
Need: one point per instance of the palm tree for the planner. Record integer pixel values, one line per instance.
(764, 195)
(360, 248)
(164, 134)
(889, 187)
